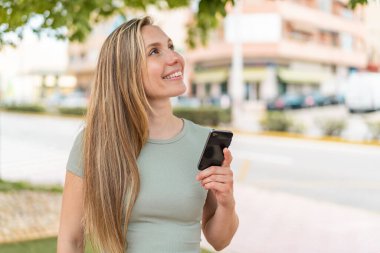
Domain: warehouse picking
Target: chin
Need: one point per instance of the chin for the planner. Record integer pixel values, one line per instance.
(182, 90)
(174, 92)
(177, 89)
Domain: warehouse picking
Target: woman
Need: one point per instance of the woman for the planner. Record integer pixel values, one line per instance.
(132, 183)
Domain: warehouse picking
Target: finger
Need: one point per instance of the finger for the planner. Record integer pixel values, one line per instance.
(216, 186)
(217, 178)
(217, 170)
(227, 157)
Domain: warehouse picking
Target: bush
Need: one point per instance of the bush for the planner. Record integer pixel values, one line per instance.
(81, 111)
(374, 128)
(331, 127)
(7, 186)
(211, 116)
(279, 122)
(34, 108)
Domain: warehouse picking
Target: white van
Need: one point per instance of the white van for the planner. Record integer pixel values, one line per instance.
(363, 92)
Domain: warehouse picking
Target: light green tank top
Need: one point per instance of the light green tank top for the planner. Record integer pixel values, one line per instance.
(167, 213)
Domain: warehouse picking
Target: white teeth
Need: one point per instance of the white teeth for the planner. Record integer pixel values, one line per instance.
(176, 74)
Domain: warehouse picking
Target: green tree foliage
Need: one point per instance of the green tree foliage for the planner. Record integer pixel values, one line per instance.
(73, 20)
(353, 3)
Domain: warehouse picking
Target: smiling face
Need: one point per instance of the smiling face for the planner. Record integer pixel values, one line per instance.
(164, 73)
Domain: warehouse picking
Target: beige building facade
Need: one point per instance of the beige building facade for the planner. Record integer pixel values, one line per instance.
(372, 23)
(264, 48)
(287, 46)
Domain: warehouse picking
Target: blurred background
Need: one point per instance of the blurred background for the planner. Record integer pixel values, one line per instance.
(298, 81)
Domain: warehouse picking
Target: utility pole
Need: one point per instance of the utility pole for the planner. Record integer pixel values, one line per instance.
(236, 84)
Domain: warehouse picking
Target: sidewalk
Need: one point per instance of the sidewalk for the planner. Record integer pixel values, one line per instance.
(276, 222)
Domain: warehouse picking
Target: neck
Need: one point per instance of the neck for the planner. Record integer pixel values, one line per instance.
(162, 123)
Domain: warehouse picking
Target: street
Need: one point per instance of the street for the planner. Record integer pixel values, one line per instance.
(36, 148)
(341, 173)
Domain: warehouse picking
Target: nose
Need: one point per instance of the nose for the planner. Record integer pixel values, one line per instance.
(172, 57)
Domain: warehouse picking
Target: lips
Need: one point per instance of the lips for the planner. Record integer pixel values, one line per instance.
(173, 75)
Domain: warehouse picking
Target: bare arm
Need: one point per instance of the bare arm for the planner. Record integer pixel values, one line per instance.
(219, 220)
(70, 235)
(219, 224)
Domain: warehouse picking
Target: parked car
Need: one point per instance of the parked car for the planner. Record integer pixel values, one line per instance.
(314, 99)
(335, 99)
(75, 99)
(363, 92)
(183, 101)
(286, 101)
(54, 100)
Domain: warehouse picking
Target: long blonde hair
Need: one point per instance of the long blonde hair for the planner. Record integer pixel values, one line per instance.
(116, 130)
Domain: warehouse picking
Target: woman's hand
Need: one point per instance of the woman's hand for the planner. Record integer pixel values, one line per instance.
(219, 179)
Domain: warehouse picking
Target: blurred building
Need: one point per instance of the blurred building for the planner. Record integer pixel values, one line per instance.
(372, 21)
(282, 46)
(287, 46)
(34, 70)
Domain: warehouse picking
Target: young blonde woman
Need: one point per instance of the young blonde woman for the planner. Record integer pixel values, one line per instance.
(132, 183)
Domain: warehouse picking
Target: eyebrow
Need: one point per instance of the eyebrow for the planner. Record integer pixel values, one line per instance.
(155, 44)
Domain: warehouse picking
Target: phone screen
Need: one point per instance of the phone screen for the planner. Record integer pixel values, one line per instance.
(212, 154)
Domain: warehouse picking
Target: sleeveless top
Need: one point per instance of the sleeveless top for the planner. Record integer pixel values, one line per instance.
(168, 211)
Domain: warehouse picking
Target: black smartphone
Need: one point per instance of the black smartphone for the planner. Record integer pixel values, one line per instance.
(212, 154)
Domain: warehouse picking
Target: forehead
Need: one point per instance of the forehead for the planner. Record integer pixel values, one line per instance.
(153, 34)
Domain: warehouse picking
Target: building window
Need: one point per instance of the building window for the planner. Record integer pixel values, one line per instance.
(247, 91)
(325, 5)
(346, 41)
(251, 91)
(193, 90)
(298, 33)
(224, 88)
(72, 58)
(329, 38)
(347, 13)
(208, 89)
(335, 39)
(309, 3)
(82, 55)
(257, 91)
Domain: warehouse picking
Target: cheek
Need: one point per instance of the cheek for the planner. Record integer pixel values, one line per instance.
(154, 70)
(152, 77)
(148, 87)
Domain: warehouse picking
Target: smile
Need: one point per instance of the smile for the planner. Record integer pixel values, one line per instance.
(173, 76)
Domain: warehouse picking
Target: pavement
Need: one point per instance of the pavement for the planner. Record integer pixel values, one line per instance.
(276, 222)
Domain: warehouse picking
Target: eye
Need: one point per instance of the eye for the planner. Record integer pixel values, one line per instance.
(154, 51)
(171, 46)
